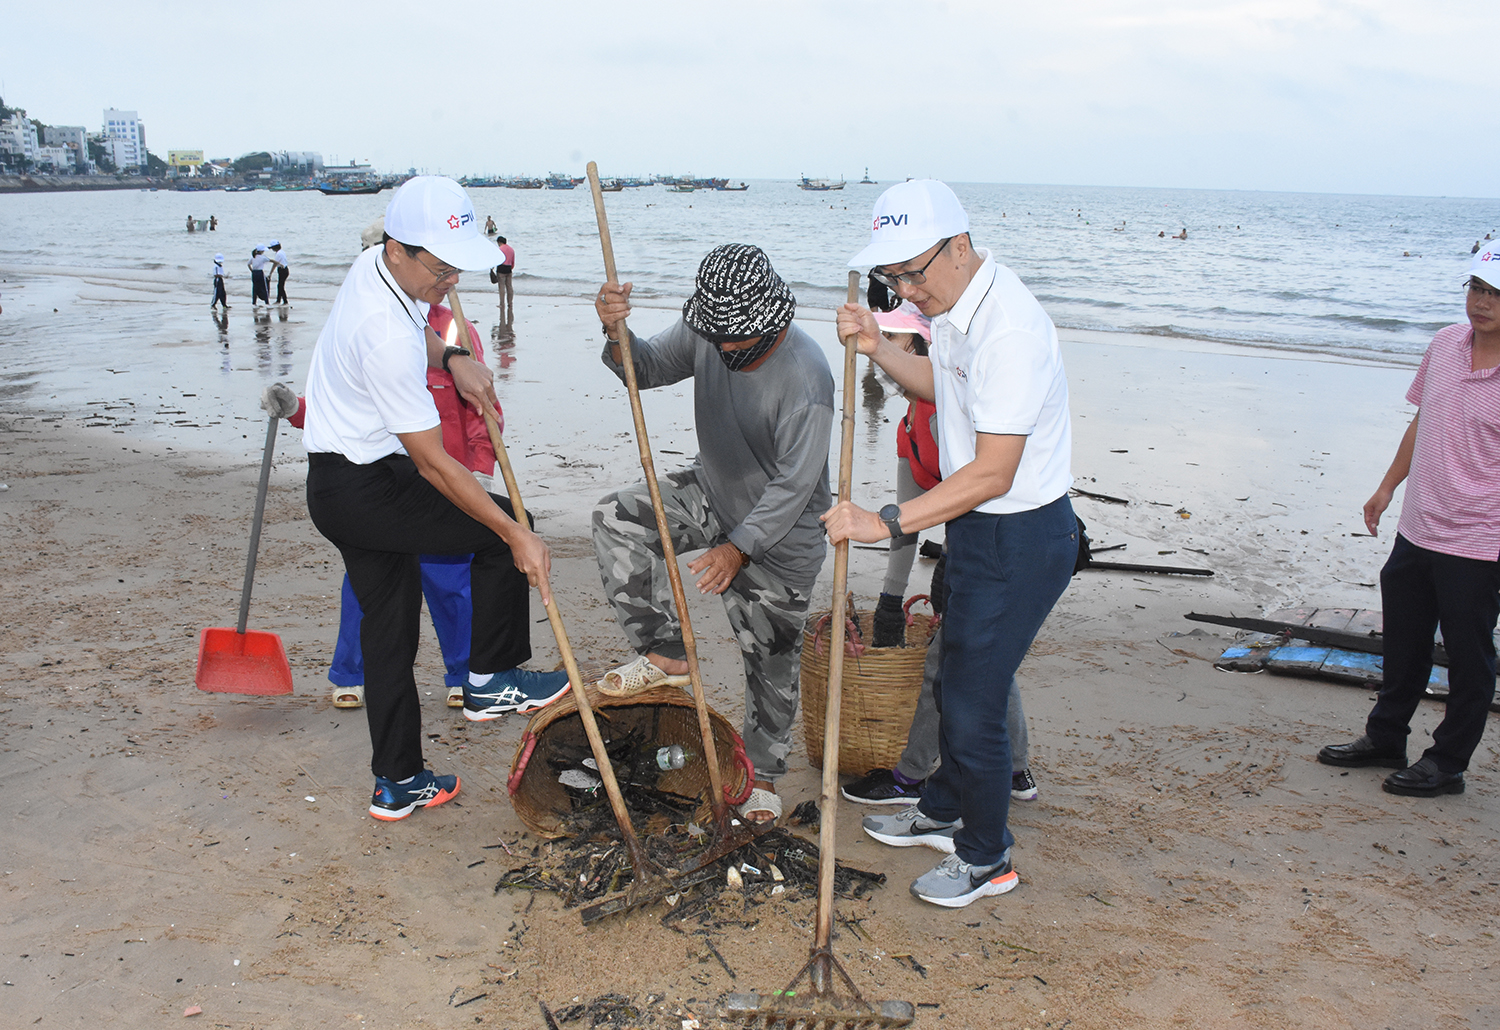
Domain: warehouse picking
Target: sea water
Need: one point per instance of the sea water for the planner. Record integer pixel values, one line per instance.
(1349, 276)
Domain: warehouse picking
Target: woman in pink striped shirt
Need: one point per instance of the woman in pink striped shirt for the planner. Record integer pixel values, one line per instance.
(1444, 569)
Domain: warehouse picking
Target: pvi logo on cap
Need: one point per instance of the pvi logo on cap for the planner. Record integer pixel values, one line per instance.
(456, 221)
(885, 220)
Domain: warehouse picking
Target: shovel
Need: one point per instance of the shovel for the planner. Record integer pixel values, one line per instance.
(824, 1006)
(236, 661)
(648, 876)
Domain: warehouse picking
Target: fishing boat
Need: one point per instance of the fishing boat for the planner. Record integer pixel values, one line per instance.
(611, 186)
(819, 185)
(682, 187)
(741, 188)
(522, 184)
(349, 189)
(239, 189)
(558, 181)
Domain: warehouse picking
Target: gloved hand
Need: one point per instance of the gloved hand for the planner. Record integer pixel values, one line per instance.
(278, 400)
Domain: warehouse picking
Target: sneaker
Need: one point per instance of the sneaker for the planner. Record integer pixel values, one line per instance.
(514, 690)
(910, 827)
(1022, 786)
(890, 622)
(394, 800)
(880, 787)
(954, 883)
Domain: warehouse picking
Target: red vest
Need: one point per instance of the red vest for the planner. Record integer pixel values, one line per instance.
(915, 443)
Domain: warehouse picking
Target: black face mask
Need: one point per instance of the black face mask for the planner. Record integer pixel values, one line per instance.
(735, 360)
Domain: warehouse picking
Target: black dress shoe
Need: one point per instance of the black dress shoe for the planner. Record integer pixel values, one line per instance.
(1424, 780)
(1363, 752)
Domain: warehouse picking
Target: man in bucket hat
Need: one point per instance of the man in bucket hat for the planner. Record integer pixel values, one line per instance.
(1443, 569)
(383, 489)
(763, 401)
(1005, 449)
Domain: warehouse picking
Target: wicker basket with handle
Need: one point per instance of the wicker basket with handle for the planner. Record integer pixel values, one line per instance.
(881, 687)
(663, 715)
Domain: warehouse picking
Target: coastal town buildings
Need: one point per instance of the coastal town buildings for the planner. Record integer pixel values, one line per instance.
(18, 141)
(73, 139)
(124, 138)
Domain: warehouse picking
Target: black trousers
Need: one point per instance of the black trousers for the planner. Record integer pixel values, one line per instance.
(281, 274)
(381, 516)
(258, 286)
(219, 297)
(1421, 590)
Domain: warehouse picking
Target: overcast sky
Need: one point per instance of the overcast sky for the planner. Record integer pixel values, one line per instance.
(1361, 96)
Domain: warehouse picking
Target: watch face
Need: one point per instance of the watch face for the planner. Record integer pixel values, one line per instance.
(890, 513)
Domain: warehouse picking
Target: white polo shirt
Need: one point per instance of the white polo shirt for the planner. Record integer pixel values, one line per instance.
(997, 368)
(368, 377)
(257, 261)
(276, 257)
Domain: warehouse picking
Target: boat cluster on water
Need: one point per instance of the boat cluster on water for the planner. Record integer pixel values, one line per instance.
(560, 181)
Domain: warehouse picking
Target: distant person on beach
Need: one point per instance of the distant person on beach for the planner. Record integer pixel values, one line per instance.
(489, 225)
(213, 223)
(500, 276)
(995, 373)
(917, 471)
(278, 258)
(190, 223)
(445, 577)
(763, 405)
(1444, 568)
(383, 489)
(220, 297)
(257, 266)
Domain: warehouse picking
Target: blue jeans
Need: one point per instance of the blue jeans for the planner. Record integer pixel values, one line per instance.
(445, 584)
(1005, 572)
(1421, 590)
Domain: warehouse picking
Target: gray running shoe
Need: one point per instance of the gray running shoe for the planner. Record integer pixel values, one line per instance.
(953, 883)
(909, 827)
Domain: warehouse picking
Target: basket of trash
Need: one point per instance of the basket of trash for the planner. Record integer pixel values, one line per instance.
(654, 747)
(881, 687)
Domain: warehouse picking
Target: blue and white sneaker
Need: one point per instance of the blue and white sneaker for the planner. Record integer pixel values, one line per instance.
(514, 690)
(909, 827)
(954, 883)
(395, 799)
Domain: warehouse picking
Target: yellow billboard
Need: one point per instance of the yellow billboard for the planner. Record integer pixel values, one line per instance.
(184, 158)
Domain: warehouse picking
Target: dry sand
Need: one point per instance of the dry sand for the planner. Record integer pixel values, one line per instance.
(1186, 864)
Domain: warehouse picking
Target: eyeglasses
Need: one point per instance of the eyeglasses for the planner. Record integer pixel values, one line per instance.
(449, 276)
(1488, 292)
(892, 279)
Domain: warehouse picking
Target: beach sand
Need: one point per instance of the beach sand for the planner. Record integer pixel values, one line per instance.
(1187, 863)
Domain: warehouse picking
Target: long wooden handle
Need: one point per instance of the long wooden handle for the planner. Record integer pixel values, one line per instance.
(669, 550)
(828, 803)
(575, 679)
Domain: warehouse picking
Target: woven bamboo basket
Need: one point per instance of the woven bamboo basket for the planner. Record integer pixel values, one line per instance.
(662, 715)
(881, 687)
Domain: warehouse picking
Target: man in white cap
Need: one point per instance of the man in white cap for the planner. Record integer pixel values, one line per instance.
(276, 257)
(763, 400)
(1444, 568)
(382, 488)
(996, 375)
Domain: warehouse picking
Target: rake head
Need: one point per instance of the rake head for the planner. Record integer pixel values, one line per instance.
(821, 1006)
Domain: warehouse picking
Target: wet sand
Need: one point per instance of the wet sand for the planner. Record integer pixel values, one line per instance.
(1187, 862)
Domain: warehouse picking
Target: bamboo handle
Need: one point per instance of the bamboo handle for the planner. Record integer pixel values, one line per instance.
(575, 679)
(669, 550)
(828, 803)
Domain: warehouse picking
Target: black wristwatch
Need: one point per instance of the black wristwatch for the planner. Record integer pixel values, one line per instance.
(450, 352)
(891, 516)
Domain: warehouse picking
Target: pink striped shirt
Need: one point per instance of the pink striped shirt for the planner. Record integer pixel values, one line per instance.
(1452, 500)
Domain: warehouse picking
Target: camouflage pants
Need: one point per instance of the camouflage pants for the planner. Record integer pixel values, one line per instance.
(767, 615)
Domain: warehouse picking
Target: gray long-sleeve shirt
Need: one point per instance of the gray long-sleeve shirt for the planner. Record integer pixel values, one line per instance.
(762, 442)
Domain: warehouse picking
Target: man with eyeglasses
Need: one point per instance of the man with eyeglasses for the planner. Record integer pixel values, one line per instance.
(382, 488)
(995, 372)
(1444, 568)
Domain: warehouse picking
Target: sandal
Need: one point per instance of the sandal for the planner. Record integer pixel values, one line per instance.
(455, 697)
(636, 676)
(349, 697)
(761, 800)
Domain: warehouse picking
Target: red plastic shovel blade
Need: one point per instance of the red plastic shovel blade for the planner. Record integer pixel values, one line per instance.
(242, 663)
